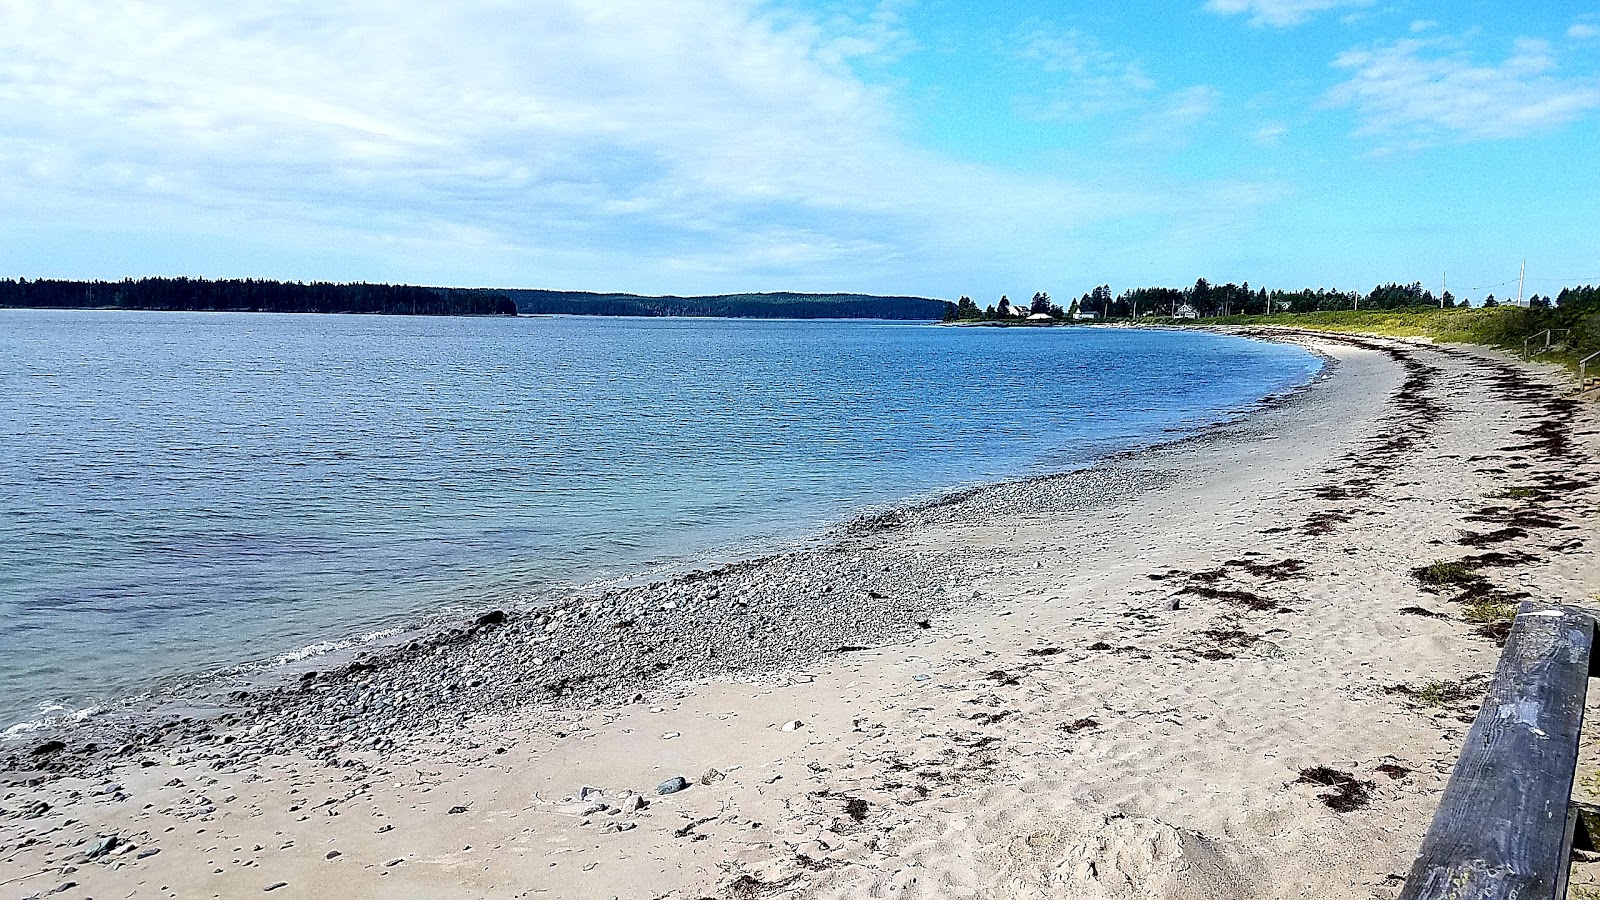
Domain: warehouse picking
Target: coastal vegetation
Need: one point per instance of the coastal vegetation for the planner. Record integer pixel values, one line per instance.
(1040, 310)
(253, 295)
(1572, 316)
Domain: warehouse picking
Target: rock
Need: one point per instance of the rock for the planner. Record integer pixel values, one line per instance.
(921, 677)
(333, 854)
(672, 785)
(274, 886)
(795, 725)
(457, 810)
(394, 862)
(585, 792)
(106, 845)
(490, 619)
(146, 854)
(634, 803)
(711, 776)
(49, 747)
(63, 887)
(616, 827)
(671, 734)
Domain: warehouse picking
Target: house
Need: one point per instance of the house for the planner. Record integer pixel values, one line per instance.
(1084, 314)
(1040, 317)
(1015, 311)
(1186, 311)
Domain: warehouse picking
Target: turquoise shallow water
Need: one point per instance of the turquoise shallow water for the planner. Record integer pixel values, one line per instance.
(186, 492)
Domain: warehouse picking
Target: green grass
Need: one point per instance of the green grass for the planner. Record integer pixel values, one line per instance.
(1442, 693)
(1505, 327)
(1445, 571)
(1489, 612)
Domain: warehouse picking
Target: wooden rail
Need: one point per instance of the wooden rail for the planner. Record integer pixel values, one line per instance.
(1549, 335)
(1505, 825)
(1583, 370)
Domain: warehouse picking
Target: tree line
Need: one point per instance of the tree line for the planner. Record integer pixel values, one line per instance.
(1206, 300)
(253, 295)
(965, 310)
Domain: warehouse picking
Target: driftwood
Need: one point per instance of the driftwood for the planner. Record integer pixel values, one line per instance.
(1505, 825)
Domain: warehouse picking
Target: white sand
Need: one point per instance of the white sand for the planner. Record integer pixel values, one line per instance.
(971, 782)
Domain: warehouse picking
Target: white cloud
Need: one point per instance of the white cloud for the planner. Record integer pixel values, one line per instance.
(1084, 79)
(1079, 79)
(1415, 92)
(685, 145)
(1422, 25)
(1280, 13)
(1583, 31)
(1269, 134)
(682, 145)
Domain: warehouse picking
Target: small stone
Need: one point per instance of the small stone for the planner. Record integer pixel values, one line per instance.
(63, 887)
(634, 803)
(394, 862)
(491, 618)
(386, 829)
(587, 792)
(921, 677)
(333, 854)
(106, 845)
(671, 734)
(457, 810)
(711, 776)
(795, 725)
(672, 785)
(274, 886)
(146, 854)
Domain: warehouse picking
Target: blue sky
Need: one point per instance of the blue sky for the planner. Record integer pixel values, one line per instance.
(928, 147)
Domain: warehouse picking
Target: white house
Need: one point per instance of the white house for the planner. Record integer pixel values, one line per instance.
(1185, 311)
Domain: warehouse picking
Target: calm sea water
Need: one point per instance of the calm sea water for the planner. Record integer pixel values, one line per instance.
(182, 493)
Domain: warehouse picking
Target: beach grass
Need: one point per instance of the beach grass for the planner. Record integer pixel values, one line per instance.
(1506, 327)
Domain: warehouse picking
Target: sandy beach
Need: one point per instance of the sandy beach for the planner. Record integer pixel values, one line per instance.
(1203, 671)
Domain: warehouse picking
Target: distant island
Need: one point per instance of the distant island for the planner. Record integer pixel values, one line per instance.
(733, 306)
(256, 295)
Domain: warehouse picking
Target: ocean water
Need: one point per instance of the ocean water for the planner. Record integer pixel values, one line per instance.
(183, 493)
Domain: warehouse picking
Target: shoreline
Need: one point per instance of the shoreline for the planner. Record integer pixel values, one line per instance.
(1058, 684)
(205, 696)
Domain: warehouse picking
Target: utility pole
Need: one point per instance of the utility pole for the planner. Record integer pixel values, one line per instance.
(1443, 280)
(1520, 276)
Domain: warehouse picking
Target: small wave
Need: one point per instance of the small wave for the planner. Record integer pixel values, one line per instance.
(322, 648)
(51, 716)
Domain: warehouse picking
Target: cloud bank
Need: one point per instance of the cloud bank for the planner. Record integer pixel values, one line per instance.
(1414, 92)
(688, 144)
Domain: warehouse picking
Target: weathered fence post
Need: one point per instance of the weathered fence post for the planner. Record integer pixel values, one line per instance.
(1504, 826)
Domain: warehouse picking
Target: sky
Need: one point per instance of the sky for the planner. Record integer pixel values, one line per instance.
(926, 147)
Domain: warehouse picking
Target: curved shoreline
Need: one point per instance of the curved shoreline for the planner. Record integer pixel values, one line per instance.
(1139, 662)
(202, 697)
